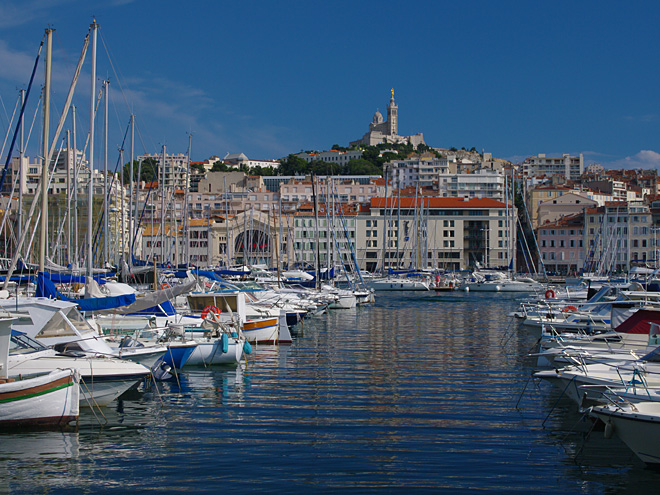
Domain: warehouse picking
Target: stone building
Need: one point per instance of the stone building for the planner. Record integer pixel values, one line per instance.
(387, 131)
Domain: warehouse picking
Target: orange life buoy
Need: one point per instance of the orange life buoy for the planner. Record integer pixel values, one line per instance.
(164, 286)
(210, 309)
(569, 309)
(549, 294)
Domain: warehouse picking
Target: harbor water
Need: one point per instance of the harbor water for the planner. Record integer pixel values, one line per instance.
(420, 392)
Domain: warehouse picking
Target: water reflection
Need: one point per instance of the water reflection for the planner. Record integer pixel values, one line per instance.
(417, 392)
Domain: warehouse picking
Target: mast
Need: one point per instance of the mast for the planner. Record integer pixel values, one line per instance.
(384, 225)
(162, 208)
(186, 208)
(90, 191)
(75, 187)
(226, 224)
(130, 193)
(122, 244)
(21, 172)
(106, 189)
(68, 196)
(44, 162)
(316, 229)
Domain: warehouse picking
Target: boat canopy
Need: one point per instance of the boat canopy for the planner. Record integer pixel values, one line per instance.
(46, 288)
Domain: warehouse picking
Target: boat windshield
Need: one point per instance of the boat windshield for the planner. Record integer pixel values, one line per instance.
(22, 344)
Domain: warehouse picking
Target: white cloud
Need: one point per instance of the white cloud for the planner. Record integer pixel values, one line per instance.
(645, 159)
(15, 66)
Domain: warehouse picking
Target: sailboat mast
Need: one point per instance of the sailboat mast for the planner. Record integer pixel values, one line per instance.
(130, 192)
(69, 160)
(21, 172)
(162, 208)
(226, 223)
(90, 191)
(106, 185)
(121, 212)
(44, 161)
(186, 208)
(75, 187)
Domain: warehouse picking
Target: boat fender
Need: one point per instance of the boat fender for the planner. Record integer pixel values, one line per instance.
(549, 294)
(569, 309)
(247, 348)
(224, 343)
(234, 335)
(609, 429)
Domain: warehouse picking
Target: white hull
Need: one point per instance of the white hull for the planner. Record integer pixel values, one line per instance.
(637, 425)
(265, 331)
(51, 399)
(503, 286)
(102, 379)
(209, 352)
(394, 284)
(344, 301)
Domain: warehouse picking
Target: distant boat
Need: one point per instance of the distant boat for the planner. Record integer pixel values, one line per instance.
(399, 284)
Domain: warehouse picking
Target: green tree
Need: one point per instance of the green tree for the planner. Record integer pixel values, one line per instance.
(293, 165)
(360, 166)
(197, 168)
(148, 170)
(220, 166)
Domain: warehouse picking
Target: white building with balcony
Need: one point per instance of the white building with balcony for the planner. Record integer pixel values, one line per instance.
(483, 183)
(570, 167)
(420, 171)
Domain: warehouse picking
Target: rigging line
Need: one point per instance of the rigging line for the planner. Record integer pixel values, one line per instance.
(13, 142)
(144, 207)
(114, 175)
(34, 119)
(4, 143)
(144, 147)
(51, 175)
(112, 66)
(5, 112)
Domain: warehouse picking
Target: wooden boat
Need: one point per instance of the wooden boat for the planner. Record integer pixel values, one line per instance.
(50, 399)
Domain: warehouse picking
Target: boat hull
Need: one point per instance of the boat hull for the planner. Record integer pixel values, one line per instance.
(102, 380)
(211, 352)
(177, 354)
(263, 331)
(47, 400)
(638, 428)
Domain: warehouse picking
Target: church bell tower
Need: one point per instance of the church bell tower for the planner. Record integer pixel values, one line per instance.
(392, 117)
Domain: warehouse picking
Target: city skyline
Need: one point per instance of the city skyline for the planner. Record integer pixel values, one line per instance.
(511, 78)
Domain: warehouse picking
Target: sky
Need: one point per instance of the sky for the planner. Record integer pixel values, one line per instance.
(267, 78)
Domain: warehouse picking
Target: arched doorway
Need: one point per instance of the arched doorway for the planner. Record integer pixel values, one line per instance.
(252, 247)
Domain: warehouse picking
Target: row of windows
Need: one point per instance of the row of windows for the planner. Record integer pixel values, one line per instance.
(562, 243)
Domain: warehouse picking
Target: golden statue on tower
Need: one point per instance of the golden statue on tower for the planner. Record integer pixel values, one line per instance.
(392, 90)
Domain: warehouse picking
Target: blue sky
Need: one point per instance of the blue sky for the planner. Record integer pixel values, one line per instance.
(515, 78)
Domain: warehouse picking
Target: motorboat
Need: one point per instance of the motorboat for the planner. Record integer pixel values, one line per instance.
(399, 284)
(637, 424)
(103, 378)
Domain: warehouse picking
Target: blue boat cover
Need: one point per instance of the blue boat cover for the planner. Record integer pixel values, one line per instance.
(46, 288)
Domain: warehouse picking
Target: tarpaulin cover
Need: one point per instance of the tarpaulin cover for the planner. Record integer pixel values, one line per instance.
(46, 288)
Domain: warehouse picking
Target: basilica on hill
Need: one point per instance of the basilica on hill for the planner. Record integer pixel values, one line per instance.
(387, 131)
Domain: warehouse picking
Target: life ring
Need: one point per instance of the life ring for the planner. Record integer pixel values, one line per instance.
(213, 310)
(549, 294)
(164, 286)
(569, 309)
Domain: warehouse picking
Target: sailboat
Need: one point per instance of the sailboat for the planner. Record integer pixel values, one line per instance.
(485, 279)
